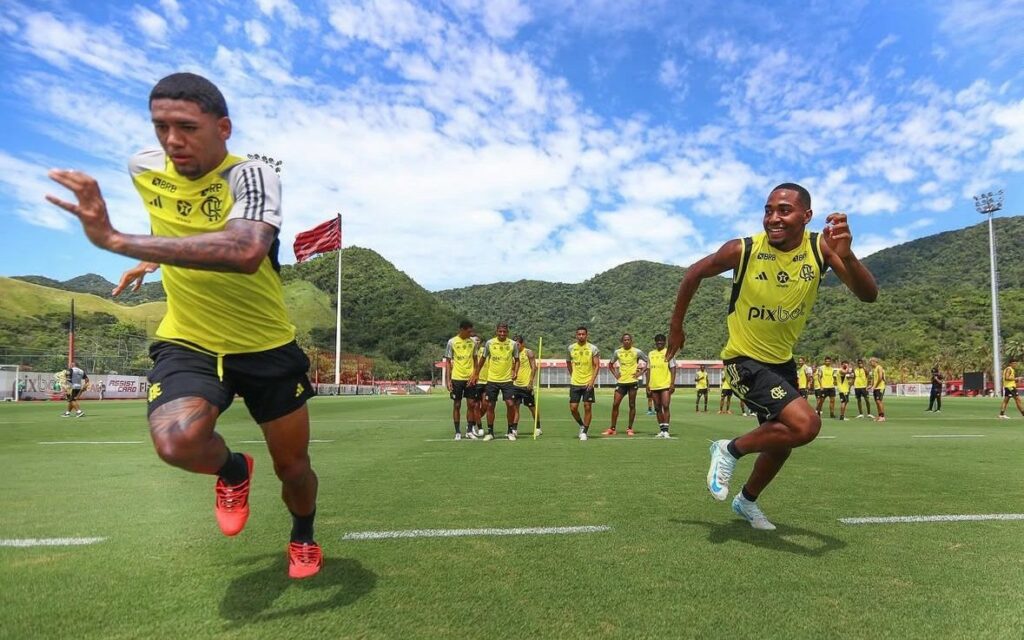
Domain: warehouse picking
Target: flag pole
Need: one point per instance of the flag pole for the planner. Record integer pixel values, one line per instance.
(337, 326)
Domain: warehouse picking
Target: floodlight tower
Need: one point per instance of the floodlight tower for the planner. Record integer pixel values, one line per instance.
(988, 204)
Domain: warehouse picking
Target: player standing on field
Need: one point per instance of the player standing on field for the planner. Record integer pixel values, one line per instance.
(627, 365)
(502, 361)
(701, 382)
(215, 219)
(78, 382)
(459, 364)
(661, 377)
(584, 363)
(1010, 389)
(935, 396)
(775, 283)
(878, 387)
(522, 386)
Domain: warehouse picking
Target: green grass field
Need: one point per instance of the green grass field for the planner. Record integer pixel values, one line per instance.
(675, 563)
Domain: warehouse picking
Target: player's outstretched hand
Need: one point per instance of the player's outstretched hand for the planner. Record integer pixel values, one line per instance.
(91, 209)
(134, 277)
(838, 235)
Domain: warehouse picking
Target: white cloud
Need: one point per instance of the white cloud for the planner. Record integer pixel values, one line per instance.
(258, 34)
(174, 14)
(670, 75)
(288, 12)
(152, 24)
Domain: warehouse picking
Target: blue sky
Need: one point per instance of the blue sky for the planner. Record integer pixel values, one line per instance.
(473, 141)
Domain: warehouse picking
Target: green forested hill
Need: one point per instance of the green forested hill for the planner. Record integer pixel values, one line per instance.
(636, 297)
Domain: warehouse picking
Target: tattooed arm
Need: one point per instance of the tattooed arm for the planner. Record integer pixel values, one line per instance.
(239, 248)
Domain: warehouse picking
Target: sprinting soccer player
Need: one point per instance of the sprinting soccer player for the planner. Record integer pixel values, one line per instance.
(502, 360)
(801, 378)
(627, 365)
(844, 378)
(935, 396)
(860, 387)
(584, 363)
(522, 386)
(878, 387)
(726, 398)
(701, 379)
(1010, 389)
(459, 365)
(661, 382)
(827, 377)
(77, 382)
(214, 220)
(775, 283)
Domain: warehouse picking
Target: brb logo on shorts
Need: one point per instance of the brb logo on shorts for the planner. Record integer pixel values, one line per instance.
(778, 314)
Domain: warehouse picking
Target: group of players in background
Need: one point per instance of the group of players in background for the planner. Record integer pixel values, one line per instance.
(481, 371)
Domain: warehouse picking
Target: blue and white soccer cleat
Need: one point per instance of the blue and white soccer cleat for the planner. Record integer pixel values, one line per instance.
(720, 472)
(752, 513)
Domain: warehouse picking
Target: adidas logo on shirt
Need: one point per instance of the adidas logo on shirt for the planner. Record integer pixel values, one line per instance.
(762, 276)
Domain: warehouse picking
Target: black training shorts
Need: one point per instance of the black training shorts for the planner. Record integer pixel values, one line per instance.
(523, 395)
(702, 392)
(494, 387)
(860, 392)
(844, 397)
(74, 393)
(273, 383)
(459, 390)
(828, 393)
(623, 388)
(879, 394)
(765, 388)
(576, 394)
(1009, 393)
(726, 393)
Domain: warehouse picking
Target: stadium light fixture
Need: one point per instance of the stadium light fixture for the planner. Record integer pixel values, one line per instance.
(988, 204)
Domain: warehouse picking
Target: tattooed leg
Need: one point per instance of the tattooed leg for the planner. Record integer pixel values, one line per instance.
(183, 435)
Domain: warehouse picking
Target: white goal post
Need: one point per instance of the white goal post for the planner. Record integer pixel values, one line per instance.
(9, 377)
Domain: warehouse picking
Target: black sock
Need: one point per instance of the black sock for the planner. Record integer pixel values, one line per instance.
(664, 427)
(733, 451)
(302, 527)
(747, 495)
(457, 429)
(490, 429)
(586, 427)
(235, 470)
(579, 421)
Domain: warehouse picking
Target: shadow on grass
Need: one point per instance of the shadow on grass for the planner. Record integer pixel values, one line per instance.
(250, 598)
(785, 538)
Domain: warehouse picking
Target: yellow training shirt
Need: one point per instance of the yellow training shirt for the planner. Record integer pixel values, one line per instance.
(702, 379)
(773, 292)
(219, 313)
(482, 377)
(581, 356)
(525, 371)
(844, 381)
(878, 375)
(501, 356)
(629, 363)
(860, 378)
(459, 352)
(725, 384)
(827, 377)
(660, 371)
(801, 378)
(1009, 378)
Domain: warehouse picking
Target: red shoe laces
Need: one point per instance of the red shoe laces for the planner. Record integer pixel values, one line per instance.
(232, 496)
(305, 553)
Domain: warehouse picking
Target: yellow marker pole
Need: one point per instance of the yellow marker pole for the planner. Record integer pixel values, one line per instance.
(536, 388)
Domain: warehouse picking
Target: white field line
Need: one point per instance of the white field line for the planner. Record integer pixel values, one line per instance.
(265, 442)
(48, 542)
(826, 437)
(949, 518)
(460, 533)
(95, 442)
(953, 435)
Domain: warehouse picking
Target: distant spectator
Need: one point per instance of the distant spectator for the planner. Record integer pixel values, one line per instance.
(101, 388)
(935, 399)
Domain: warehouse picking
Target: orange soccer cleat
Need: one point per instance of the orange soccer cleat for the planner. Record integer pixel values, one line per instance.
(630, 432)
(610, 431)
(304, 559)
(232, 504)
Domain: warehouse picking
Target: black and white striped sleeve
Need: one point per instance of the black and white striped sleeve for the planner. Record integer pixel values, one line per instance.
(257, 193)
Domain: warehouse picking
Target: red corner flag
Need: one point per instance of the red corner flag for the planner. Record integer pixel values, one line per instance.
(320, 239)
